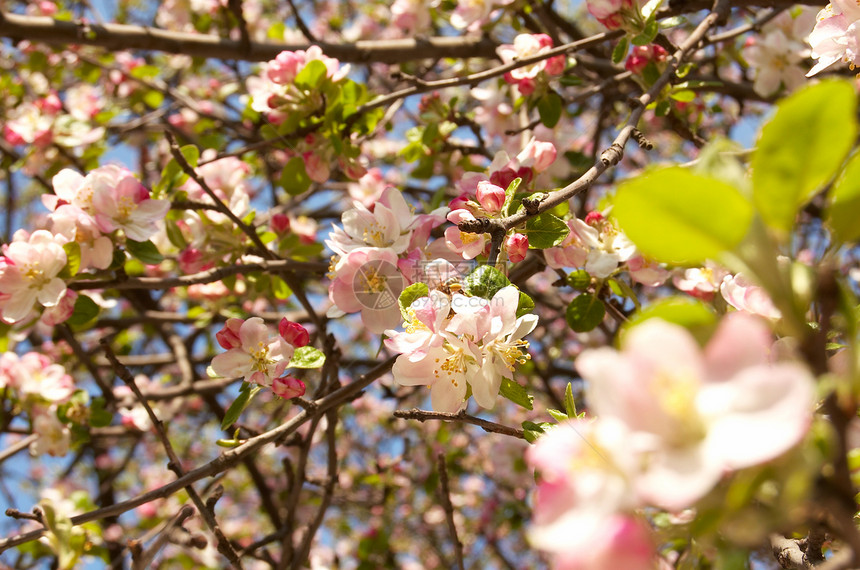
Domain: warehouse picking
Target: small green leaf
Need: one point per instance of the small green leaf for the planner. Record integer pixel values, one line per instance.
(99, 416)
(546, 230)
(510, 192)
(675, 216)
(584, 313)
(174, 234)
(73, 258)
(85, 311)
(684, 95)
(620, 50)
(569, 403)
(294, 177)
(579, 279)
(153, 99)
(516, 394)
(525, 305)
(307, 357)
(144, 251)
(801, 148)
(246, 393)
(843, 213)
(532, 431)
(311, 75)
(410, 295)
(485, 281)
(649, 32)
(279, 288)
(549, 108)
(557, 415)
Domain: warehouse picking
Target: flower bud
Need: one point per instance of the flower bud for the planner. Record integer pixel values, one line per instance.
(491, 197)
(294, 333)
(228, 337)
(517, 246)
(280, 223)
(288, 387)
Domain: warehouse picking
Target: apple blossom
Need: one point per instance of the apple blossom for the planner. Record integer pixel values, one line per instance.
(775, 59)
(55, 438)
(29, 269)
(694, 414)
(387, 226)
(490, 196)
(743, 295)
(467, 244)
(257, 357)
(121, 202)
(835, 35)
(367, 280)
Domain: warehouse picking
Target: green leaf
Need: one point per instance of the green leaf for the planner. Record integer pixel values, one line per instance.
(546, 230)
(73, 258)
(569, 403)
(516, 394)
(510, 192)
(307, 357)
(294, 177)
(172, 174)
(620, 50)
(584, 313)
(801, 148)
(174, 234)
(549, 108)
(99, 416)
(678, 217)
(557, 415)
(85, 311)
(843, 212)
(409, 295)
(485, 281)
(144, 251)
(525, 305)
(279, 288)
(153, 99)
(579, 279)
(649, 32)
(532, 431)
(692, 314)
(684, 95)
(246, 393)
(311, 75)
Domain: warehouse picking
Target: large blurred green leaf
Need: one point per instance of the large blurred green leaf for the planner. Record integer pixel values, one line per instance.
(843, 213)
(675, 216)
(801, 148)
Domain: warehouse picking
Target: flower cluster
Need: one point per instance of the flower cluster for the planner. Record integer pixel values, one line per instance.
(529, 77)
(39, 386)
(452, 342)
(378, 252)
(258, 357)
(671, 422)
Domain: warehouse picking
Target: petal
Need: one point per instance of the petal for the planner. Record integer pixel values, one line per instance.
(740, 341)
(52, 292)
(677, 478)
(232, 364)
(447, 394)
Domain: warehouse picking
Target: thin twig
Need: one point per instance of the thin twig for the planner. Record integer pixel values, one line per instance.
(488, 426)
(445, 495)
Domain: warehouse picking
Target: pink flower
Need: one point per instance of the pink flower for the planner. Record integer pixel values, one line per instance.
(293, 333)
(387, 226)
(694, 415)
(228, 337)
(28, 274)
(36, 377)
(288, 387)
(836, 35)
(258, 357)
(121, 202)
(584, 500)
(538, 155)
(517, 246)
(368, 281)
(490, 196)
(467, 244)
(743, 295)
(641, 56)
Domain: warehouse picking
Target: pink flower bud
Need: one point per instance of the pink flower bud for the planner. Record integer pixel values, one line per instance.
(538, 155)
(593, 218)
(317, 168)
(288, 387)
(555, 65)
(491, 197)
(191, 260)
(459, 202)
(280, 223)
(526, 85)
(228, 337)
(293, 333)
(544, 40)
(517, 246)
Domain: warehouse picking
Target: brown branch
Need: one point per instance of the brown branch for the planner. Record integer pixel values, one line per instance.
(488, 426)
(208, 276)
(175, 465)
(445, 496)
(142, 560)
(18, 446)
(125, 37)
